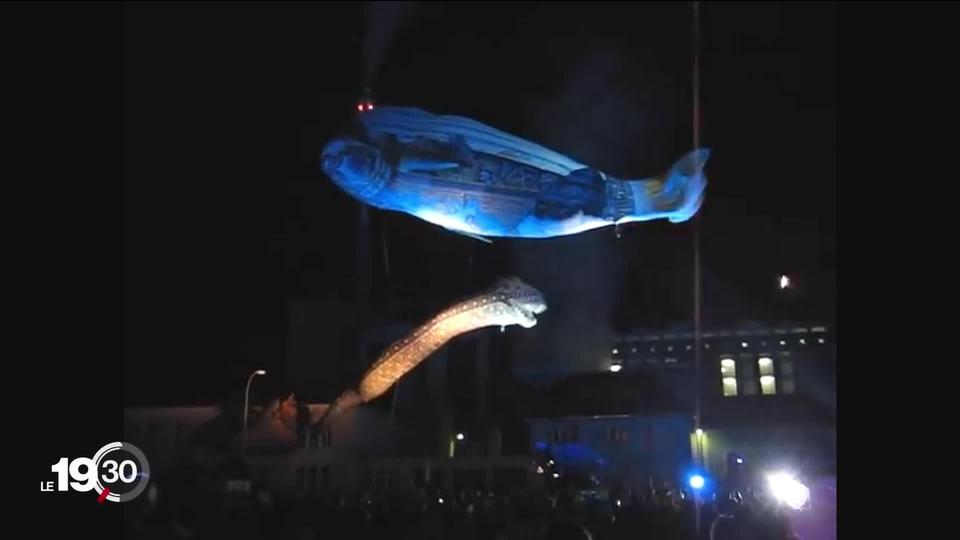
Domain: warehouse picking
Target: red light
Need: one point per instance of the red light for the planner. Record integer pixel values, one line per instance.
(360, 107)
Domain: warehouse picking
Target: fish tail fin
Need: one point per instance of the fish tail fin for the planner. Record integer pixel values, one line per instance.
(345, 401)
(676, 195)
(685, 180)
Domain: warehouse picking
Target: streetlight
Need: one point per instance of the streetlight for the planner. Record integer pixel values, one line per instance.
(246, 406)
(784, 281)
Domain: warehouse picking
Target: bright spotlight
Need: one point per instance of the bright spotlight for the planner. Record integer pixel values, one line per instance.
(788, 490)
(459, 436)
(696, 481)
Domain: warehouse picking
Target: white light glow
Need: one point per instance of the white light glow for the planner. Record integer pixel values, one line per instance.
(696, 481)
(556, 475)
(788, 490)
(784, 282)
(459, 436)
(615, 367)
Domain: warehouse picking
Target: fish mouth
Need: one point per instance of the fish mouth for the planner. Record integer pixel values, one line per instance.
(528, 314)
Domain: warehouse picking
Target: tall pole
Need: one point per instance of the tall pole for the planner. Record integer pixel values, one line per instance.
(246, 408)
(696, 255)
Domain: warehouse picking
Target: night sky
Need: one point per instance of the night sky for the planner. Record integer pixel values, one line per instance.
(227, 215)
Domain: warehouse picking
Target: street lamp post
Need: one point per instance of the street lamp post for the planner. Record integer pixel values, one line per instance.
(246, 407)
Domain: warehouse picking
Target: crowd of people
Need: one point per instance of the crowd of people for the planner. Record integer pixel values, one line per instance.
(471, 515)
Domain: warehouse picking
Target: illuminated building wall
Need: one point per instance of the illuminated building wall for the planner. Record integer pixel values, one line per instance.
(630, 449)
(768, 393)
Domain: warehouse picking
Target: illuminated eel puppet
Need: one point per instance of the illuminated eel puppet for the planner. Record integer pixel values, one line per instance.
(510, 301)
(481, 182)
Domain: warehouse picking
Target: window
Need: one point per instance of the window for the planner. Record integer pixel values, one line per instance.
(325, 477)
(618, 435)
(312, 479)
(327, 438)
(728, 375)
(298, 479)
(786, 376)
(748, 377)
(768, 382)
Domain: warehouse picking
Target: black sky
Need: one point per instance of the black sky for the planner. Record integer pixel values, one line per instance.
(227, 215)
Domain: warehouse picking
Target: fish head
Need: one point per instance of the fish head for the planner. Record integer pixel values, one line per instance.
(523, 301)
(355, 165)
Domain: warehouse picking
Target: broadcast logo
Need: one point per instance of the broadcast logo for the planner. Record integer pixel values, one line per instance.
(118, 472)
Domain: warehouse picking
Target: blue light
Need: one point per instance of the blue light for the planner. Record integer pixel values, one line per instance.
(697, 481)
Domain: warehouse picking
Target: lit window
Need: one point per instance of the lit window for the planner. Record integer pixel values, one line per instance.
(821, 341)
(706, 345)
(783, 342)
(728, 374)
(616, 351)
(670, 348)
(689, 347)
(743, 344)
(768, 383)
(633, 349)
(803, 341)
(653, 349)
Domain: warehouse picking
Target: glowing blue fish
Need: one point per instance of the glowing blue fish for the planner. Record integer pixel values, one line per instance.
(481, 182)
